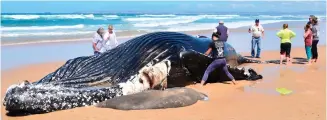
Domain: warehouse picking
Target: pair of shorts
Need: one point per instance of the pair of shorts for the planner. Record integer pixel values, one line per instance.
(285, 48)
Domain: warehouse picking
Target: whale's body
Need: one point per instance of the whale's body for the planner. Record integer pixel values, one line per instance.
(88, 80)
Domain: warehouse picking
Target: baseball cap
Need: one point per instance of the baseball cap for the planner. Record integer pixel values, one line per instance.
(256, 20)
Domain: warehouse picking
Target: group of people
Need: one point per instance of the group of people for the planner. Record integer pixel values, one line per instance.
(103, 41)
(221, 33)
(311, 39)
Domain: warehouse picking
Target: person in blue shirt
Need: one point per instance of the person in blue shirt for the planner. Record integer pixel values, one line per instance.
(216, 48)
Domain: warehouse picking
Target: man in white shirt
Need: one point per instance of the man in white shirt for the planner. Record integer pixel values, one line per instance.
(98, 42)
(257, 33)
(110, 38)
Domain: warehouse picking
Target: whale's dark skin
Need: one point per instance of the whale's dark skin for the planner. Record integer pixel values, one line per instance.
(88, 80)
(155, 99)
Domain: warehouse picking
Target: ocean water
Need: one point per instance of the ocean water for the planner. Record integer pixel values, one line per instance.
(30, 20)
(23, 25)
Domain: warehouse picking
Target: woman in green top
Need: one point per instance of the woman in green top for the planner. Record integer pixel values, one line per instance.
(285, 36)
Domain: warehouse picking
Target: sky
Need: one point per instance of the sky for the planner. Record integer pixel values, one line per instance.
(159, 7)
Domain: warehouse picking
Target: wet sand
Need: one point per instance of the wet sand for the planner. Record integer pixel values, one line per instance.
(226, 101)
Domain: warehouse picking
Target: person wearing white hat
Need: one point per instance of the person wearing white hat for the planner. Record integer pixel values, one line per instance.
(257, 33)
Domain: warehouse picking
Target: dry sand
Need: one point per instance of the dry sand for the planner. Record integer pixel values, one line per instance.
(226, 101)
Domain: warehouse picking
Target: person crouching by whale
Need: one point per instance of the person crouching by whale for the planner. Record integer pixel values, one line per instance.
(216, 48)
(97, 42)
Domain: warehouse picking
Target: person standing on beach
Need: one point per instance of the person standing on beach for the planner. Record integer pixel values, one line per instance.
(222, 31)
(110, 38)
(257, 33)
(308, 42)
(216, 48)
(98, 42)
(285, 36)
(315, 32)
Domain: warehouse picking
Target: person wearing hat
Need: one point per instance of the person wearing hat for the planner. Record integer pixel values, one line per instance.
(97, 42)
(257, 33)
(222, 31)
(216, 48)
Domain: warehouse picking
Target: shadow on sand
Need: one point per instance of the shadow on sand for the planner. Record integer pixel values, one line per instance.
(296, 60)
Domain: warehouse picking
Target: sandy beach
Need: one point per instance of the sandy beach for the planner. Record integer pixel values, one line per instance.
(38, 37)
(245, 101)
(240, 102)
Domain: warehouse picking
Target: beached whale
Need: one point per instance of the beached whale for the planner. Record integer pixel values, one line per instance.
(88, 80)
(155, 99)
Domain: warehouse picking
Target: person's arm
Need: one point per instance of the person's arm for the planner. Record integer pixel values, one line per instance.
(105, 37)
(306, 34)
(263, 31)
(94, 47)
(215, 30)
(311, 36)
(208, 51)
(94, 42)
(227, 32)
(115, 39)
(279, 34)
(314, 31)
(249, 30)
(293, 34)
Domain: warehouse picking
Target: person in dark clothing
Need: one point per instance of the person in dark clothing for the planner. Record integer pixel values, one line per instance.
(315, 40)
(216, 48)
(222, 31)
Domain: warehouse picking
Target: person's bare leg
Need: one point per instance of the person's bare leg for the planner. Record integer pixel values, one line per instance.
(230, 76)
(309, 62)
(281, 59)
(288, 61)
(202, 82)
